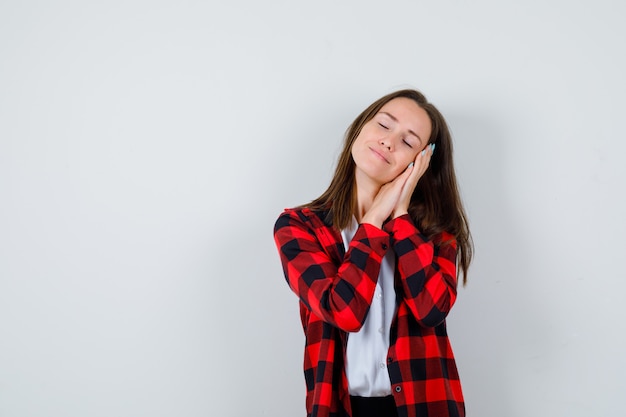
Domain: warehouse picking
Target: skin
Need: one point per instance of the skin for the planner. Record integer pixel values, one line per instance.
(383, 152)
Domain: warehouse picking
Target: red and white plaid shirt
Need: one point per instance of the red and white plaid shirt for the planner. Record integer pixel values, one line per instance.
(336, 288)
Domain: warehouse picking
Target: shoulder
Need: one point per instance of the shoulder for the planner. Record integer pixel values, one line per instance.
(303, 217)
(302, 229)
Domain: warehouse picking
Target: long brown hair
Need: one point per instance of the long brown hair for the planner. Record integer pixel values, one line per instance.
(435, 204)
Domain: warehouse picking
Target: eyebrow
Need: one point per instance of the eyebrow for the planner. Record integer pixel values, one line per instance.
(396, 120)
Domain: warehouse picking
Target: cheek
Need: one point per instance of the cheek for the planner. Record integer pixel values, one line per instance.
(409, 157)
(354, 151)
(355, 144)
(403, 162)
(392, 173)
(399, 170)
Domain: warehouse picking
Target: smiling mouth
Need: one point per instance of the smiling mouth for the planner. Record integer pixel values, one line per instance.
(378, 154)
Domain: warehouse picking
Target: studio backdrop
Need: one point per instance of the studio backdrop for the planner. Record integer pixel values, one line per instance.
(147, 147)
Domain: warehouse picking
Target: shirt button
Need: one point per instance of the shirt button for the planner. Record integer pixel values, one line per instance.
(380, 330)
(382, 365)
(389, 359)
(398, 388)
(379, 295)
(384, 246)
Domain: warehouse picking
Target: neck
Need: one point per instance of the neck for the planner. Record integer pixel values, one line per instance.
(366, 191)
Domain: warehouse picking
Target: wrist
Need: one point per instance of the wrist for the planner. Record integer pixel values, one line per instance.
(373, 220)
(398, 213)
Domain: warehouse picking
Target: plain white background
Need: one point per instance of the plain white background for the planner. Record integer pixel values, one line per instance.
(146, 148)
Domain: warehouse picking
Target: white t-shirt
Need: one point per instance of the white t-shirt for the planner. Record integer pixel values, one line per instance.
(366, 354)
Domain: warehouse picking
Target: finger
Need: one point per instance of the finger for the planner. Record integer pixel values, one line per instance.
(421, 160)
(408, 171)
(398, 184)
(399, 181)
(424, 157)
(427, 152)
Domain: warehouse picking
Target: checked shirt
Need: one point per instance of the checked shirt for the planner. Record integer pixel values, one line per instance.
(336, 286)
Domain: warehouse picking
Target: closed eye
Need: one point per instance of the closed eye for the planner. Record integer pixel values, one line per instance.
(407, 143)
(383, 126)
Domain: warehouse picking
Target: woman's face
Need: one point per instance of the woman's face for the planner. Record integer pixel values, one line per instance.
(391, 140)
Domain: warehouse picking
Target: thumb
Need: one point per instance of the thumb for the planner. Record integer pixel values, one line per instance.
(407, 172)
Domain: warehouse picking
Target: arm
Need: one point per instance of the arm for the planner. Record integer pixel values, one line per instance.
(340, 295)
(427, 271)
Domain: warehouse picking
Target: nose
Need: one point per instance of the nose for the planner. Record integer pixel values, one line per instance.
(387, 142)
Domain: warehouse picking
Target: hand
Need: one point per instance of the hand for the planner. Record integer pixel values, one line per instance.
(386, 200)
(416, 171)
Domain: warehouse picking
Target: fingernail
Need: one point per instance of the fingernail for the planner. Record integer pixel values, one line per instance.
(424, 151)
(411, 164)
(432, 147)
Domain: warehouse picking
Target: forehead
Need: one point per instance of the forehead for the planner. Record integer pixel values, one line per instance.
(403, 106)
(407, 111)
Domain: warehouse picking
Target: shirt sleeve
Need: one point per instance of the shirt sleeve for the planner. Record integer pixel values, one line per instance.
(427, 270)
(339, 293)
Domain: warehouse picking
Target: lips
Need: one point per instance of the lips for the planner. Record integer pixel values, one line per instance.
(379, 155)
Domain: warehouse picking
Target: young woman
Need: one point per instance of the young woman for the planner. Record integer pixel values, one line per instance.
(374, 262)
